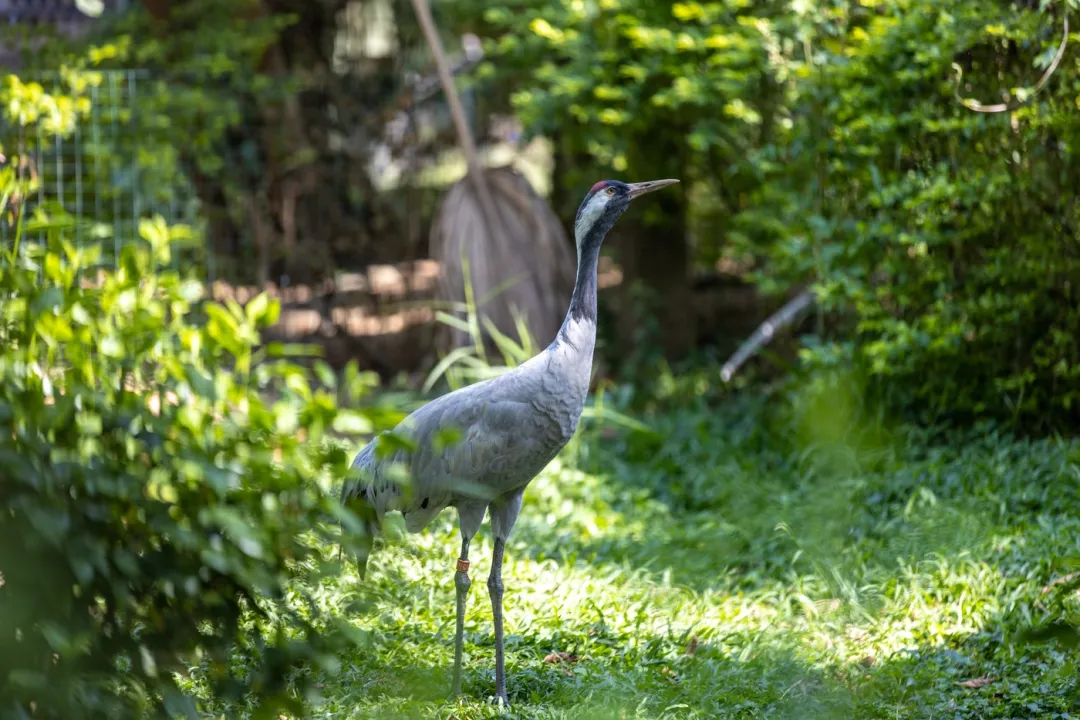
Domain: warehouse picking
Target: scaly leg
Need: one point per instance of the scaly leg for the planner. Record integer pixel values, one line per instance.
(495, 589)
(461, 582)
(470, 515)
(504, 512)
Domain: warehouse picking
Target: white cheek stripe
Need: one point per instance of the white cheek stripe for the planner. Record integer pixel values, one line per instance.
(588, 216)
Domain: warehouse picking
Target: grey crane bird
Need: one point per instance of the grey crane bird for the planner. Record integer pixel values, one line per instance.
(508, 429)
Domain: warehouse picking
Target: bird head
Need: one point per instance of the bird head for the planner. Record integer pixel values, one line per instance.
(604, 203)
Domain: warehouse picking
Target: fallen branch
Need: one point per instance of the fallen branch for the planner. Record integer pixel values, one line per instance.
(766, 331)
(977, 106)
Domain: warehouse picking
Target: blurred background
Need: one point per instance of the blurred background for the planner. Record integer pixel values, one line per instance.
(837, 379)
(818, 148)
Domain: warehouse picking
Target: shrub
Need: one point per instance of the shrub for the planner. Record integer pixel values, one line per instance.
(824, 143)
(157, 509)
(943, 239)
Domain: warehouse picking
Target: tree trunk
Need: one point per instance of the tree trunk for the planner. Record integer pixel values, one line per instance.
(158, 9)
(318, 207)
(654, 251)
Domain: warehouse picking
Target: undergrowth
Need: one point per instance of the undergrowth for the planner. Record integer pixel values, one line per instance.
(741, 562)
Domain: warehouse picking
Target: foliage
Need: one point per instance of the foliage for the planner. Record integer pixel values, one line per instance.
(471, 363)
(616, 73)
(751, 561)
(945, 238)
(249, 110)
(199, 81)
(827, 145)
(205, 82)
(644, 89)
(158, 510)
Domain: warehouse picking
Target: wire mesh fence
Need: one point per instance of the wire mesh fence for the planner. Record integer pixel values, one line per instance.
(120, 165)
(106, 174)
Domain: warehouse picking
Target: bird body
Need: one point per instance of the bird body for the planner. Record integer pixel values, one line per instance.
(509, 428)
(477, 448)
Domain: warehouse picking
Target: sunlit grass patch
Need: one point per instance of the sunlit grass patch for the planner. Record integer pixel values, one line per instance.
(727, 573)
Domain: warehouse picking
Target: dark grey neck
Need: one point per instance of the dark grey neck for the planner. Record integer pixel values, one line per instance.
(583, 301)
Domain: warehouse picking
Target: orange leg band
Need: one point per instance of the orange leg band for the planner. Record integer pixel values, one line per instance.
(463, 565)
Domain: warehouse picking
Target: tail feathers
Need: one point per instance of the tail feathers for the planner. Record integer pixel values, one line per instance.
(356, 499)
(366, 543)
(359, 495)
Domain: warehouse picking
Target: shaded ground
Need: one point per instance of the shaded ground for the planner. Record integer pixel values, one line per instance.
(733, 571)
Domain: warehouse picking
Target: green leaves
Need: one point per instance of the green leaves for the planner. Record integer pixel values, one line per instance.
(348, 422)
(627, 70)
(28, 104)
(924, 225)
(50, 523)
(824, 145)
(155, 501)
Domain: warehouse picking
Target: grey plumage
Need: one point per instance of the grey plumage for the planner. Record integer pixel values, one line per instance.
(508, 429)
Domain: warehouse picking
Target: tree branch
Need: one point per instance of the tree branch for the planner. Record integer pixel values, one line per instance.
(424, 88)
(766, 331)
(476, 171)
(977, 106)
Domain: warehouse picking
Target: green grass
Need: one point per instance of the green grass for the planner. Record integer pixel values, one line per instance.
(741, 565)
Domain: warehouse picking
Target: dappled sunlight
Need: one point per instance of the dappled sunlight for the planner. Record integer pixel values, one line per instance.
(784, 589)
(235, 250)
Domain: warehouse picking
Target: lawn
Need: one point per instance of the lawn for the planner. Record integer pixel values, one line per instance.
(741, 564)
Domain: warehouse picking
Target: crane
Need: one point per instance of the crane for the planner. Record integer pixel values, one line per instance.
(508, 428)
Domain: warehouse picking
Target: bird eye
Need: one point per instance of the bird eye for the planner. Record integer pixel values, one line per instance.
(610, 191)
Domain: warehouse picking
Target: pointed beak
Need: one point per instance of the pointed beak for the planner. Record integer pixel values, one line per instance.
(638, 189)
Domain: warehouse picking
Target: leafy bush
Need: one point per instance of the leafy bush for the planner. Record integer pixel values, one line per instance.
(825, 143)
(157, 509)
(243, 103)
(613, 75)
(945, 238)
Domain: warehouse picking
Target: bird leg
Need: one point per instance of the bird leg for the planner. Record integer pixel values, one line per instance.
(495, 589)
(461, 582)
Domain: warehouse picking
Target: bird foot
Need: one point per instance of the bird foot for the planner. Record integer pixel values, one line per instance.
(502, 701)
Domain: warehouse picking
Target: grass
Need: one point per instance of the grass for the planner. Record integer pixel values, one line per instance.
(742, 564)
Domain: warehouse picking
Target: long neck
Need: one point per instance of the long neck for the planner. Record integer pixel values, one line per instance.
(583, 301)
